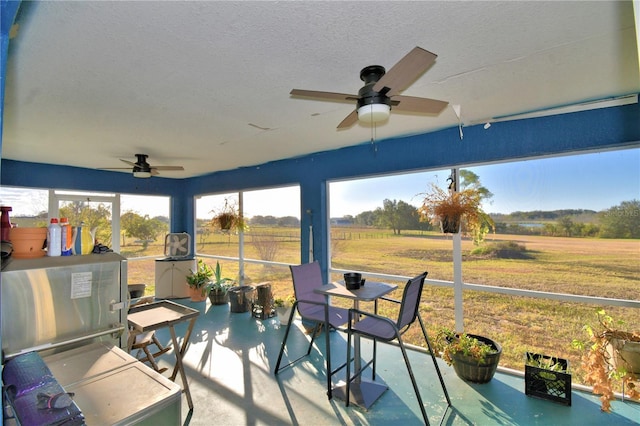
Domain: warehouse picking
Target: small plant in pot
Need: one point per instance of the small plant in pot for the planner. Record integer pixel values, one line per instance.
(474, 358)
(547, 377)
(218, 287)
(198, 281)
(613, 354)
(456, 210)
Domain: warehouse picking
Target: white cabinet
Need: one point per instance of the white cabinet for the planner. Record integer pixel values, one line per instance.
(171, 281)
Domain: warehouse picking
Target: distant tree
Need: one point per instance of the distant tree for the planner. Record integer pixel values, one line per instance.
(82, 213)
(367, 218)
(398, 215)
(566, 224)
(622, 221)
(264, 220)
(469, 179)
(142, 228)
(288, 221)
(550, 229)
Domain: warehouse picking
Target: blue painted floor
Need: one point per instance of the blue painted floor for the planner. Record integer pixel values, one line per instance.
(230, 362)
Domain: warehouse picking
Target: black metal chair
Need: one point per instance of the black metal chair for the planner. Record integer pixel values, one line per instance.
(315, 308)
(383, 329)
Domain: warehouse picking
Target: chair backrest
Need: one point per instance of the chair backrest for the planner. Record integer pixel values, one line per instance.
(410, 301)
(306, 277)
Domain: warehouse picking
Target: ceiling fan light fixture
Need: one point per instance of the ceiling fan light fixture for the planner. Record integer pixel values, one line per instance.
(142, 174)
(374, 113)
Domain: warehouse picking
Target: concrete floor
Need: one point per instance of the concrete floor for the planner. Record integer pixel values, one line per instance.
(230, 362)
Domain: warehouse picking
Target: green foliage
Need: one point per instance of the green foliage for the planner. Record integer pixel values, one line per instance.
(201, 276)
(502, 250)
(89, 214)
(546, 363)
(280, 302)
(470, 180)
(621, 221)
(450, 343)
(218, 283)
(142, 228)
(397, 216)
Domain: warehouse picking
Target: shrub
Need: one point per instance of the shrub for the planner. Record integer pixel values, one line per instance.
(502, 250)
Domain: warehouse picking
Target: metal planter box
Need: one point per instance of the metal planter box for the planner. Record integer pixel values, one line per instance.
(547, 384)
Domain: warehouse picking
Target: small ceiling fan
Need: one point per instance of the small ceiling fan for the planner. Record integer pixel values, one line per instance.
(142, 169)
(381, 89)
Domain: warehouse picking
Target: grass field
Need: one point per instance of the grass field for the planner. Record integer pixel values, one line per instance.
(593, 267)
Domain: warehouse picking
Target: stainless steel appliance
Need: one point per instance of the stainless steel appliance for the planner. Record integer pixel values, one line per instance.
(73, 312)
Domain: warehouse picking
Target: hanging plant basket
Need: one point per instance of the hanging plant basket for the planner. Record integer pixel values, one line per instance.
(450, 224)
(226, 221)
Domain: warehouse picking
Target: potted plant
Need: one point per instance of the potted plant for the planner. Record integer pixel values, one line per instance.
(613, 353)
(283, 308)
(218, 287)
(547, 378)
(229, 218)
(454, 210)
(198, 281)
(474, 358)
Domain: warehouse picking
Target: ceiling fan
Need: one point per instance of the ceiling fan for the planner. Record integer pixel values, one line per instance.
(381, 89)
(142, 169)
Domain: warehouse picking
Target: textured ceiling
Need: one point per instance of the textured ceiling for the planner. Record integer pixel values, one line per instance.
(206, 84)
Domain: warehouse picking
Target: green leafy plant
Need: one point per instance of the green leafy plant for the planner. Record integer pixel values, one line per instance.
(286, 302)
(439, 206)
(546, 363)
(218, 283)
(603, 362)
(450, 343)
(201, 276)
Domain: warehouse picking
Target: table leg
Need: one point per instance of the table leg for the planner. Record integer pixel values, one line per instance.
(362, 392)
(179, 366)
(183, 348)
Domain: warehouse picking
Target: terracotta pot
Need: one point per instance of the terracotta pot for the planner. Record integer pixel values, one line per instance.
(28, 242)
(197, 294)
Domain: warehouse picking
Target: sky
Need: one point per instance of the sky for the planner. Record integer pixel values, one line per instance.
(595, 181)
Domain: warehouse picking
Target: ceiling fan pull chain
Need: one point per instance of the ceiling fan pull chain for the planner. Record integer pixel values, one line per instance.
(373, 138)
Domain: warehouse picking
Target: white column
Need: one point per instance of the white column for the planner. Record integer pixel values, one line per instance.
(457, 267)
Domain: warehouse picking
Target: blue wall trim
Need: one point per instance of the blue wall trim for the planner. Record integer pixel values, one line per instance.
(602, 129)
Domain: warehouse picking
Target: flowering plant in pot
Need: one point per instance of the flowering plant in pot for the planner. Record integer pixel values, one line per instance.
(474, 358)
(455, 210)
(218, 287)
(613, 353)
(198, 281)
